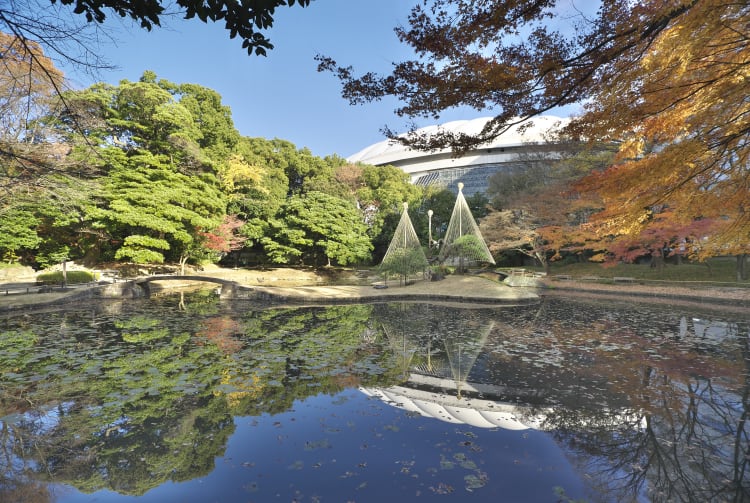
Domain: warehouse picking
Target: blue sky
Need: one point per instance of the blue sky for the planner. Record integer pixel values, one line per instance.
(281, 95)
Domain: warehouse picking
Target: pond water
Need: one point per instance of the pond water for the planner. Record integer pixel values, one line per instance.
(187, 398)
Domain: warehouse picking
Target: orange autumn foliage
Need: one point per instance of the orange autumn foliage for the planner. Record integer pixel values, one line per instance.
(667, 79)
(685, 117)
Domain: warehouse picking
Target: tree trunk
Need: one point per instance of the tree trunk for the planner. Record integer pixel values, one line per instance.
(657, 260)
(742, 269)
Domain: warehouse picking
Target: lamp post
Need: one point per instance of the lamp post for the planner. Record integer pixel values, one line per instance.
(429, 227)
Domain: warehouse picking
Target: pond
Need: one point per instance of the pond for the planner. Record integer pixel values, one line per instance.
(189, 398)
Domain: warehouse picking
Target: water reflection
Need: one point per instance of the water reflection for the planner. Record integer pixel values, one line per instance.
(655, 409)
(437, 347)
(648, 403)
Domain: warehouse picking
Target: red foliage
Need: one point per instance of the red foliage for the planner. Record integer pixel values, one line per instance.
(225, 238)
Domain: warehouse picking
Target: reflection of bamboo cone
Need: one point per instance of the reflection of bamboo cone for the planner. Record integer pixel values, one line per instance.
(460, 377)
(461, 364)
(429, 355)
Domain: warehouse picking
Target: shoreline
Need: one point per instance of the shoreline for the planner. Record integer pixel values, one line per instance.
(463, 289)
(725, 298)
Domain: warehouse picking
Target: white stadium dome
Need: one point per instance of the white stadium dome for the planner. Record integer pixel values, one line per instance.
(474, 168)
(475, 412)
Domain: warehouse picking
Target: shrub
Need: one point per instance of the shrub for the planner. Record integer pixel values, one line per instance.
(74, 277)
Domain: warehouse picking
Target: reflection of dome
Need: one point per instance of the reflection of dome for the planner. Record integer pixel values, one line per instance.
(448, 408)
(472, 169)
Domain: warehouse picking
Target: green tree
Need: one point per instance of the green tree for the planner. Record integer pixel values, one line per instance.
(218, 136)
(318, 229)
(465, 248)
(42, 227)
(254, 180)
(17, 232)
(381, 192)
(42, 187)
(291, 347)
(161, 192)
(403, 263)
(158, 213)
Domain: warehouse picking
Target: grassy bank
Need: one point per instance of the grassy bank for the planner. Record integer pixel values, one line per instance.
(714, 272)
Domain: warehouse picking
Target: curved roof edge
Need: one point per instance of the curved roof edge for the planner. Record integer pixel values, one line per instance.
(475, 412)
(530, 131)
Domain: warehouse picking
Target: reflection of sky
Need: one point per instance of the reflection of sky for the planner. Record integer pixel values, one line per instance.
(45, 419)
(582, 365)
(706, 330)
(349, 447)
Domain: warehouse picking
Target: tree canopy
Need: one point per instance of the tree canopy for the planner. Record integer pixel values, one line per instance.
(171, 180)
(668, 80)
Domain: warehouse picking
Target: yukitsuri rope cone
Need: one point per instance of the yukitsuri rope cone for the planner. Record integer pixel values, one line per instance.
(463, 242)
(462, 350)
(405, 256)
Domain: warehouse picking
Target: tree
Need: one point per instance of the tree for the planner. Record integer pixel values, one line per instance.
(465, 247)
(403, 263)
(31, 156)
(664, 235)
(18, 231)
(225, 238)
(46, 223)
(28, 29)
(539, 212)
(667, 79)
(161, 194)
(478, 204)
(380, 194)
(405, 255)
(514, 231)
(218, 136)
(156, 212)
(317, 228)
(254, 179)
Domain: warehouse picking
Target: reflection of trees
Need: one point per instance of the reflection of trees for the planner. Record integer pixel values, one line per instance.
(298, 352)
(126, 408)
(649, 411)
(16, 484)
(407, 327)
(130, 401)
(435, 339)
(684, 439)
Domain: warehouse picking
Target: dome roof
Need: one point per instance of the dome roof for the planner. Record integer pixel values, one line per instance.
(474, 412)
(531, 131)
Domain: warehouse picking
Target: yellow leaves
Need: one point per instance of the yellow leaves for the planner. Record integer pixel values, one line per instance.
(237, 173)
(632, 148)
(238, 386)
(623, 224)
(668, 49)
(24, 59)
(28, 82)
